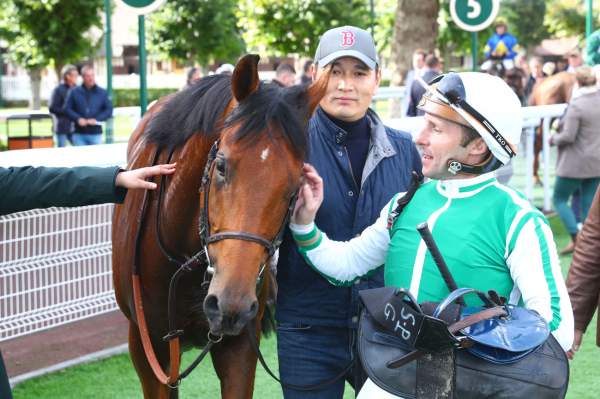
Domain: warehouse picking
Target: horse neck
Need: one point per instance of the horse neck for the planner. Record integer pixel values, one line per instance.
(180, 209)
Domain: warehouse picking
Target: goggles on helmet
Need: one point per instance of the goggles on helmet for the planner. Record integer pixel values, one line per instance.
(450, 89)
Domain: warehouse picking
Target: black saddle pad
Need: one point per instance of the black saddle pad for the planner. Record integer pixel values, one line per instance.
(543, 374)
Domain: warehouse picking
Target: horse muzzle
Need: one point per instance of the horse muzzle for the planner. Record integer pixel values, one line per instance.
(226, 317)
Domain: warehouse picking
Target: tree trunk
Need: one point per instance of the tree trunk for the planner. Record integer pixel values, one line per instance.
(35, 76)
(415, 27)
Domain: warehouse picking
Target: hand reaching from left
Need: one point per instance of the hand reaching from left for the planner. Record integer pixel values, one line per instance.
(136, 178)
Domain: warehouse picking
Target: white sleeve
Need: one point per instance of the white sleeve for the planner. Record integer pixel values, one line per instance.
(535, 268)
(343, 262)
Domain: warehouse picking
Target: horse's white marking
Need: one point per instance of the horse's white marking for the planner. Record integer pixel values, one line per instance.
(265, 154)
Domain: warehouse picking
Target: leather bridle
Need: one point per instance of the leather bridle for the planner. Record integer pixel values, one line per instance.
(199, 259)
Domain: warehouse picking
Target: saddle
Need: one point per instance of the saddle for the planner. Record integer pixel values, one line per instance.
(492, 351)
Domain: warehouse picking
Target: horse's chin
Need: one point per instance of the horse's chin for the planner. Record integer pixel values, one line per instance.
(218, 329)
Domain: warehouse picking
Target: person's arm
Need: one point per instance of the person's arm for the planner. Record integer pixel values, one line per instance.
(57, 103)
(535, 268)
(513, 48)
(69, 107)
(583, 280)
(106, 109)
(339, 262)
(570, 129)
(489, 46)
(29, 188)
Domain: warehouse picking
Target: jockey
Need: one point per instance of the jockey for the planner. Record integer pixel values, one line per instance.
(501, 46)
(489, 234)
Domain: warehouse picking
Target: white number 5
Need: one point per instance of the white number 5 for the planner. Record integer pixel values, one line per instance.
(475, 9)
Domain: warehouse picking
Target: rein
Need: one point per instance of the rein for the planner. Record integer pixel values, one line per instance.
(199, 259)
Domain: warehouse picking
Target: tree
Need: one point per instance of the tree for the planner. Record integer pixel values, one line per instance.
(51, 31)
(295, 26)
(204, 31)
(526, 21)
(415, 27)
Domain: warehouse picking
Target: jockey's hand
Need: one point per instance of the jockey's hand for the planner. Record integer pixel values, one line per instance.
(576, 344)
(137, 178)
(310, 197)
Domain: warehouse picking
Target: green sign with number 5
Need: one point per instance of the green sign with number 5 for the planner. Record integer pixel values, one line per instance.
(474, 15)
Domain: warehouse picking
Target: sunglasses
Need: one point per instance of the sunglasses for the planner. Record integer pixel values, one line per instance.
(452, 91)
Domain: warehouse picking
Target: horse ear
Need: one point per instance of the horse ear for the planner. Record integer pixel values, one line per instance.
(244, 80)
(317, 90)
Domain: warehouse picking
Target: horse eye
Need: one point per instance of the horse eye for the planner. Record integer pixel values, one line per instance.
(220, 166)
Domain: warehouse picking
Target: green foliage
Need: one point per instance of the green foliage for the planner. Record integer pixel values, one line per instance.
(282, 27)
(566, 18)
(204, 31)
(41, 32)
(526, 20)
(131, 97)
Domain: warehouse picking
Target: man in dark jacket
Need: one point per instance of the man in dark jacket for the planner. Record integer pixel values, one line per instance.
(432, 69)
(63, 126)
(364, 163)
(28, 188)
(87, 105)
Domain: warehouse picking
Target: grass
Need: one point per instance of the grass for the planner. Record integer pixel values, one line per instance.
(116, 378)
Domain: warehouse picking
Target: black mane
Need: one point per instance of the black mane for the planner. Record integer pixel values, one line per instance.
(198, 108)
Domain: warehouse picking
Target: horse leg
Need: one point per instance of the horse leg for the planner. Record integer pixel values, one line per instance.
(152, 388)
(235, 363)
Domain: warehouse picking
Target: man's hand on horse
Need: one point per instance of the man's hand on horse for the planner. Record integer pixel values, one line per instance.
(137, 178)
(310, 196)
(576, 344)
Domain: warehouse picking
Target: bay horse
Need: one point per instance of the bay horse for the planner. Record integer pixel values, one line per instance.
(235, 207)
(555, 89)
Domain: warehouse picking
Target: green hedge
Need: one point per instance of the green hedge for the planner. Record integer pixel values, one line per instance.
(131, 97)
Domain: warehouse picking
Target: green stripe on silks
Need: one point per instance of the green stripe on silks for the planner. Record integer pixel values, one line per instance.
(547, 265)
(309, 240)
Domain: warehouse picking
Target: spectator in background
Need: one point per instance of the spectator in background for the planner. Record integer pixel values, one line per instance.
(431, 70)
(418, 64)
(536, 75)
(306, 78)
(578, 159)
(285, 75)
(87, 105)
(193, 75)
(549, 68)
(583, 281)
(574, 60)
(63, 126)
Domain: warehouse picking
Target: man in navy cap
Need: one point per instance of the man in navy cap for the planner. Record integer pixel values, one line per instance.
(363, 163)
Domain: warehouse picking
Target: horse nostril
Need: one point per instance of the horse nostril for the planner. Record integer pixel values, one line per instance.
(211, 305)
(254, 308)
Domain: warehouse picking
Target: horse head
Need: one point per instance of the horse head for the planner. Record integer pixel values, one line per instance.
(249, 187)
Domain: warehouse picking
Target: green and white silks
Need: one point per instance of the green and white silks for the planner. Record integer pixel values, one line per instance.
(490, 236)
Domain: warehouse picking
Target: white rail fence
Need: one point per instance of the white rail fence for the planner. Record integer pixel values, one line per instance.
(55, 264)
